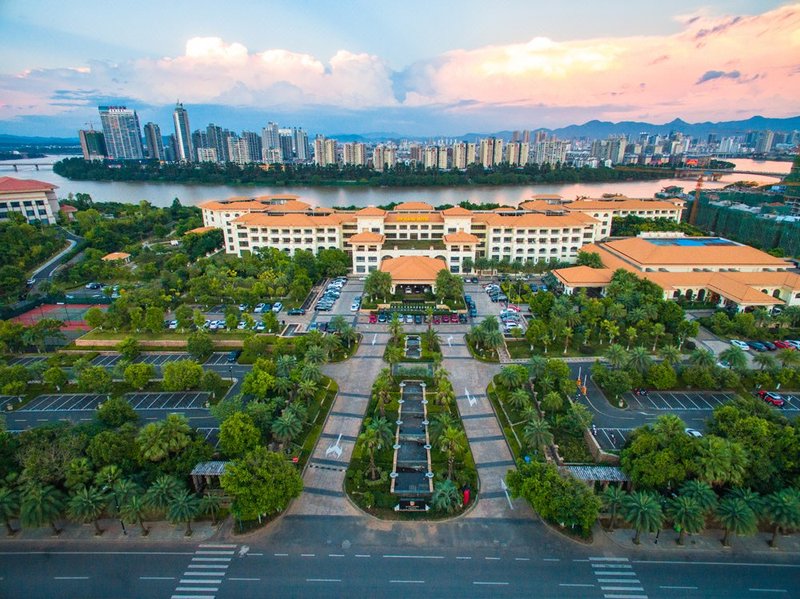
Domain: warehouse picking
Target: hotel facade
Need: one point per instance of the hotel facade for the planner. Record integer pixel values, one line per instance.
(542, 229)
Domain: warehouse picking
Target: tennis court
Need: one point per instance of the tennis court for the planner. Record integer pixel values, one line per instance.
(72, 315)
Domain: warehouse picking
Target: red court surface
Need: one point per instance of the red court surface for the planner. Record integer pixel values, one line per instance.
(71, 315)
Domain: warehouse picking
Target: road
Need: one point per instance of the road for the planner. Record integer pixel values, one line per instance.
(45, 271)
(358, 557)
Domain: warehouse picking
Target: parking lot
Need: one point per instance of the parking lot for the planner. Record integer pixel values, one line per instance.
(154, 359)
(612, 438)
(26, 360)
(678, 401)
(218, 358)
(79, 402)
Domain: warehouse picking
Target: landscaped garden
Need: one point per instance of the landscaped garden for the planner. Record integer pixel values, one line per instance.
(425, 346)
(484, 339)
(369, 476)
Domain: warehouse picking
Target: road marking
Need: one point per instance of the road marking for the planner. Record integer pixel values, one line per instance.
(70, 577)
(414, 556)
(195, 589)
(308, 555)
(190, 597)
(677, 588)
(336, 555)
(156, 578)
(608, 559)
(212, 552)
(492, 558)
(244, 579)
(193, 573)
(622, 588)
(211, 559)
(611, 566)
(280, 554)
(756, 564)
(204, 581)
(613, 596)
(486, 582)
(545, 559)
(407, 581)
(208, 566)
(361, 555)
(323, 580)
(617, 580)
(621, 573)
(768, 590)
(463, 557)
(574, 584)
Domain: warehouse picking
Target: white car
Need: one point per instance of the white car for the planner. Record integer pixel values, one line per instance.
(242, 307)
(795, 343)
(354, 307)
(241, 326)
(693, 433)
(739, 344)
(259, 308)
(277, 307)
(173, 325)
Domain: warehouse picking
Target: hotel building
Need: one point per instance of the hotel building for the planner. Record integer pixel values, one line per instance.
(35, 200)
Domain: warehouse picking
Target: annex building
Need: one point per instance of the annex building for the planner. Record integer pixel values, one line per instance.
(542, 229)
(711, 269)
(35, 200)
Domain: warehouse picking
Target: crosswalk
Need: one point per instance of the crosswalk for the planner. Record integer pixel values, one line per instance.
(616, 578)
(206, 572)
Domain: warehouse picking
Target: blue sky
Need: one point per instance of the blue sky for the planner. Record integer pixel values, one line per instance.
(412, 67)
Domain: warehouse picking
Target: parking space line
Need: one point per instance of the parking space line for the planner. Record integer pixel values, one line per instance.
(703, 399)
(691, 400)
(150, 405)
(53, 399)
(678, 401)
(66, 403)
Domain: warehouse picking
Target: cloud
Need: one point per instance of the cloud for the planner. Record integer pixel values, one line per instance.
(709, 75)
(606, 78)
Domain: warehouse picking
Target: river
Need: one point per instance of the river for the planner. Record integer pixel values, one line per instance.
(162, 194)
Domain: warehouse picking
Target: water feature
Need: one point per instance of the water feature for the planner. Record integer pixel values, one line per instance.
(413, 349)
(411, 474)
(162, 194)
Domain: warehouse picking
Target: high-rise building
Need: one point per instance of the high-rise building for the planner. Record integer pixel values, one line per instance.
(269, 137)
(93, 144)
(153, 142)
(253, 141)
(549, 152)
(472, 149)
(238, 150)
(206, 154)
(460, 155)
(384, 157)
(199, 140)
(285, 144)
(415, 152)
(512, 153)
(301, 149)
(431, 157)
(764, 141)
(122, 132)
(180, 118)
(324, 151)
(217, 138)
(354, 153)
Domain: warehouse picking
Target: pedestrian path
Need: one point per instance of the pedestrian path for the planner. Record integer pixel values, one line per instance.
(205, 573)
(616, 578)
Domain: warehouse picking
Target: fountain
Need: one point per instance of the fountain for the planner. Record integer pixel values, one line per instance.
(412, 477)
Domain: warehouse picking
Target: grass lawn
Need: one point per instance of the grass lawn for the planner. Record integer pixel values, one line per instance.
(482, 355)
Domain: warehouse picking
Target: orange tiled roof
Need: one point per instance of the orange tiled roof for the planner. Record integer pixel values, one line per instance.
(641, 251)
(622, 203)
(238, 205)
(201, 230)
(460, 237)
(547, 196)
(413, 207)
(116, 256)
(537, 220)
(584, 276)
(413, 268)
(366, 237)
(12, 185)
(371, 211)
(457, 211)
(541, 205)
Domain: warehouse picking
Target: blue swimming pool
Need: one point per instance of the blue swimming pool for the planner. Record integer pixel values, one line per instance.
(693, 242)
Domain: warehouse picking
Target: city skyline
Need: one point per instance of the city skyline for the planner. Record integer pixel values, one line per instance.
(523, 70)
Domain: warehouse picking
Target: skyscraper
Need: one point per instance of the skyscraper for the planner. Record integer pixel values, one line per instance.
(217, 138)
(253, 141)
(269, 137)
(153, 141)
(93, 144)
(301, 148)
(122, 132)
(285, 144)
(183, 134)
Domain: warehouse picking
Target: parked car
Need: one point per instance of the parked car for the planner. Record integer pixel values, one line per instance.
(296, 312)
(757, 346)
(234, 355)
(173, 324)
(88, 285)
(693, 433)
(437, 319)
(409, 319)
(241, 326)
(514, 308)
(739, 344)
(473, 312)
(260, 326)
(383, 317)
(462, 318)
(795, 343)
(277, 307)
(354, 307)
(242, 307)
(769, 345)
(772, 398)
(783, 345)
(445, 318)
(418, 319)
(373, 318)
(259, 308)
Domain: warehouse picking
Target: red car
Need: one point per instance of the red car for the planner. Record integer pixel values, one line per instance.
(445, 318)
(436, 320)
(783, 345)
(373, 318)
(772, 398)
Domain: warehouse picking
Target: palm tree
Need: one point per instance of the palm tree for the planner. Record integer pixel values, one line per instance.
(445, 496)
(493, 339)
(519, 399)
(314, 354)
(161, 492)
(511, 377)
(782, 508)
(337, 322)
(286, 427)
(766, 361)
(751, 498)
(668, 427)
(348, 335)
(310, 372)
(430, 338)
(537, 433)
(552, 402)
(183, 508)
(121, 491)
(394, 354)
(108, 476)
(372, 442)
(284, 364)
(382, 427)
(395, 327)
(643, 511)
(211, 504)
(444, 393)
(687, 514)
(612, 498)
(702, 358)
(283, 386)
(9, 507)
(788, 357)
(701, 492)
(671, 354)
(567, 332)
(630, 334)
(639, 360)
(735, 357)
(616, 355)
(536, 367)
(87, 505)
(452, 444)
(722, 461)
(306, 390)
(331, 344)
(382, 390)
(441, 423)
(41, 504)
(135, 509)
(736, 517)
(658, 330)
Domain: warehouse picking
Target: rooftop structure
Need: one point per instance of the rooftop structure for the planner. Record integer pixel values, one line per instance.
(34, 200)
(115, 256)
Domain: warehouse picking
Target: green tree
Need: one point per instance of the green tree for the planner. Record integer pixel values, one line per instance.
(639, 360)
(452, 443)
(135, 510)
(129, 348)
(735, 357)
(537, 433)
(446, 497)
(87, 505)
(702, 358)
(9, 507)
(158, 440)
(139, 375)
(55, 377)
(687, 515)
(184, 507)
(116, 411)
(736, 517)
(262, 482)
(183, 314)
(765, 361)
(616, 355)
(395, 327)
(782, 509)
(182, 375)
(95, 318)
(79, 472)
(199, 345)
(642, 511)
(371, 441)
(41, 505)
(154, 320)
(722, 461)
(512, 377)
(519, 399)
(160, 494)
(286, 427)
(211, 504)
(378, 285)
(701, 492)
(238, 435)
(671, 354)
(612, 498)
(94, 379)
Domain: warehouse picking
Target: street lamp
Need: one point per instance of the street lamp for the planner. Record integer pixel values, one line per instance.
(116, 506)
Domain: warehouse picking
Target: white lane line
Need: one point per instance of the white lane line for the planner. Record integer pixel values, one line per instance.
(463, 557)
(336, 555)
(550, 559)
(574, 584)
(196, 589)
(359, 555)
(491, 558)
(211, 559)
(407, 581)
(768, 590)
(608, 559)
(618, 580)
(213, 552)
(611, 566)
(244, 579)
(678, 588)
(522, 559)
(220, 566)
(414, 556)
(602, 588)
(156, 578)
(256, 554)
(308, 555)
(70, 577)
(280, 554)
(193, 573)
(200, 581)
(615, 596)
(487, 583)
(620, 573)
(192, 597)
(688, 563)
(323, 580)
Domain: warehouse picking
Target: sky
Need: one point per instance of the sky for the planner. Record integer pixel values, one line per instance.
(418, 68)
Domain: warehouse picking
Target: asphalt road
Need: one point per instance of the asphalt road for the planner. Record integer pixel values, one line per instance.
(348, 557)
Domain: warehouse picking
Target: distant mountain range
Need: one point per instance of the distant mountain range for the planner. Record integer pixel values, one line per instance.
(22, 140)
